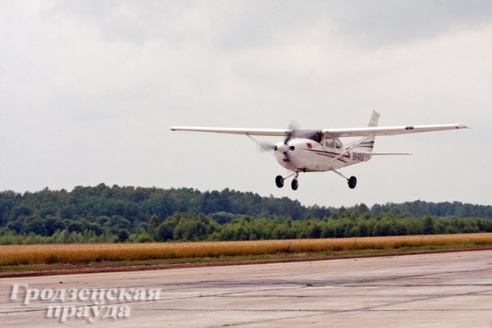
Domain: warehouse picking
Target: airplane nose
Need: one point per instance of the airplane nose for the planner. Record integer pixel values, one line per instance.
(282, 147)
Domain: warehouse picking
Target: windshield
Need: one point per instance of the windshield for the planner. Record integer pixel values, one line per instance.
(314, 135)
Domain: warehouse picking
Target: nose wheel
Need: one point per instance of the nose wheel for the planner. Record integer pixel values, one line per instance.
(279, 181)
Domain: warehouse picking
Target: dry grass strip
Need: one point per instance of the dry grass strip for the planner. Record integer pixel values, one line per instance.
(77, 253)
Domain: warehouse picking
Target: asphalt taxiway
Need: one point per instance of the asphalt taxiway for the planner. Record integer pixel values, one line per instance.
(432, 290)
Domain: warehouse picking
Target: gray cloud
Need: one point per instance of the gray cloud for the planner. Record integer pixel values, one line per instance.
(382, 22)
(242, 24)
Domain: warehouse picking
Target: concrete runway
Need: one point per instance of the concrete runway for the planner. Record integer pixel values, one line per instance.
(433, 290)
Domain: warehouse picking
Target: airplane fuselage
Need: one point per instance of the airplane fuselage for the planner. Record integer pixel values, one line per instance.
(306, 155)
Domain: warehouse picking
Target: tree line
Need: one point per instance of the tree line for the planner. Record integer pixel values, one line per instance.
(111, 214)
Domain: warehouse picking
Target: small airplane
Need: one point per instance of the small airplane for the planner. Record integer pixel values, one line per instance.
(322, 150)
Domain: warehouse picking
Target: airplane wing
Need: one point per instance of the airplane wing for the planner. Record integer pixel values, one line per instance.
(389, 131)
(333, 133)
(252, 132)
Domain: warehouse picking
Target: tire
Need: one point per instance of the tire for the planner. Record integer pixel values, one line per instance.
(279, 181)
(352, 182)
(294, 184)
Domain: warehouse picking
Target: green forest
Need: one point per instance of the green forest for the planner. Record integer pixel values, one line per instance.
(135, 214)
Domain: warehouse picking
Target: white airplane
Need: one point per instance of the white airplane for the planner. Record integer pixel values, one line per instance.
(322, 150)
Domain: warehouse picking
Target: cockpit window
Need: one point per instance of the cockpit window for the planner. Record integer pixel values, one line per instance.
(317, 137)
(333, 143)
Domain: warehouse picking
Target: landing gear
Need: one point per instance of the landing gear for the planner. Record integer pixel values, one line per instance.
(294, 184)
(279, 181)
(352, 182)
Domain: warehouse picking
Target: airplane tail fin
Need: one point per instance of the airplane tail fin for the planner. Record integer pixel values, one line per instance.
(373, 122)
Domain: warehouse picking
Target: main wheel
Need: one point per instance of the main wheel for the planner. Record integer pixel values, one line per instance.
(294, 184)
(352, 182)
(279, 181)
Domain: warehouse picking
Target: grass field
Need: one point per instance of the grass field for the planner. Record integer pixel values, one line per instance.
(88, 253)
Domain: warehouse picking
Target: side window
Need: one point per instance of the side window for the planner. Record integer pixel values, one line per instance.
(329, 143)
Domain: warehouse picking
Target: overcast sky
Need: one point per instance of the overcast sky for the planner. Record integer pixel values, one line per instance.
(89, 89)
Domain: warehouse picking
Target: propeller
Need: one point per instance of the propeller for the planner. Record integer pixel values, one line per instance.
(293, 127)
(269, 147)
(266, 146)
